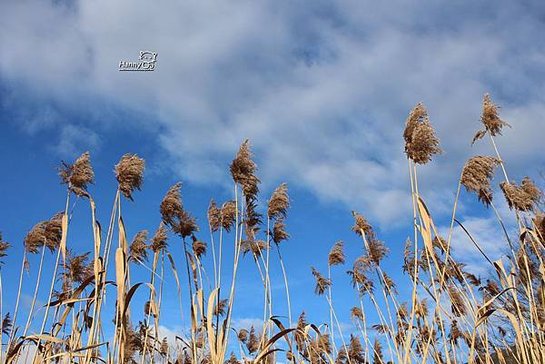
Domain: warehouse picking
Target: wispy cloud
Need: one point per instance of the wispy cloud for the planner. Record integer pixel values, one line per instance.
(322, 90)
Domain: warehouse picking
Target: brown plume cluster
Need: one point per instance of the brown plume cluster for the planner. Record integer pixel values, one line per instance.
(4, 246)
(243, 170)
(129, 173)
(45, 233)
(138, 250)
(174, 215)
(421, 143)
(322, 283)
(78, 175)
(159, 240)
(490, 119)
(336, 254)
(522, 198)
(477, 174)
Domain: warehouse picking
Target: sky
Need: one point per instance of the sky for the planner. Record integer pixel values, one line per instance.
(321, 89)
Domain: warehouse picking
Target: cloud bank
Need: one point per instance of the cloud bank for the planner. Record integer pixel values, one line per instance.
(322, 89)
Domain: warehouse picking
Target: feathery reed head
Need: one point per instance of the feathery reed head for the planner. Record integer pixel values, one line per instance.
(476, 176)
(6, 324)
(243, 171)
(78, 268)
(322, 283)
(174, 214)
(214, 216)
(377, 250)
(129, 173)
(4, 246)
(159, 240)
(457, 303)
(490, 119)
(279, 233)
(45, 233)
(228, 215)
(78, 175)
(199, 247)
(357, 314)
(279, 202)
(522, 198)
(221, 307)
(421, 143)
(138, 250)
(361, 226)
(336, 254)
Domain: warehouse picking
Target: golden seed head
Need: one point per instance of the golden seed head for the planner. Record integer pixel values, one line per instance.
(279, 202)
(78, 175)
(159, 240)
(228, 215)
(4, 246)
(522, 198)
(322, 283)
(214, 216)
(174, 214)
(138, 251)
(490, 119)
(279, 233)
(421, 143)
(129, 173)
(199, 247)
(477, 174)
(243, 171)
(336, 254)
(45, 233)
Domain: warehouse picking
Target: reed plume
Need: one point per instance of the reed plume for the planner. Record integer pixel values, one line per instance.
(279, 202)
(159, 240)
(243, 170)
(4, 246)
(336, 254)
(522, 198)
(214, 216)
(138, 250)
(490, 119)
(421, 143)
(78, 175)
(174, 214)
(477, 174)
(129, 173)
(322, 283)
(228, 215)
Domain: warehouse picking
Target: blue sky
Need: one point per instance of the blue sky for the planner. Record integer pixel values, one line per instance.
(321, 89)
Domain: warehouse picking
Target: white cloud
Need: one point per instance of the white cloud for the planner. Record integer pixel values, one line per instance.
(321, 90)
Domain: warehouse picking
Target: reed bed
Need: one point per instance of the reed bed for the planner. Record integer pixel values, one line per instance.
(451, 315)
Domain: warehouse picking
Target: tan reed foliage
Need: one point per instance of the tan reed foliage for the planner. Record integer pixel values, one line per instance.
(214, 216)
(243, 170)
(45, 233)
(336, 254)
(228, 215)
(279, 233)
(421, 143)
(199, 247)
(522, 198)
(4, 246)
(78, 267)
(130, 173)
(78, 175)
(322, 283)
(477, 174)
(174, 214)
(279, 202)
(159, 240)
(490, 119)
(138, 250)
